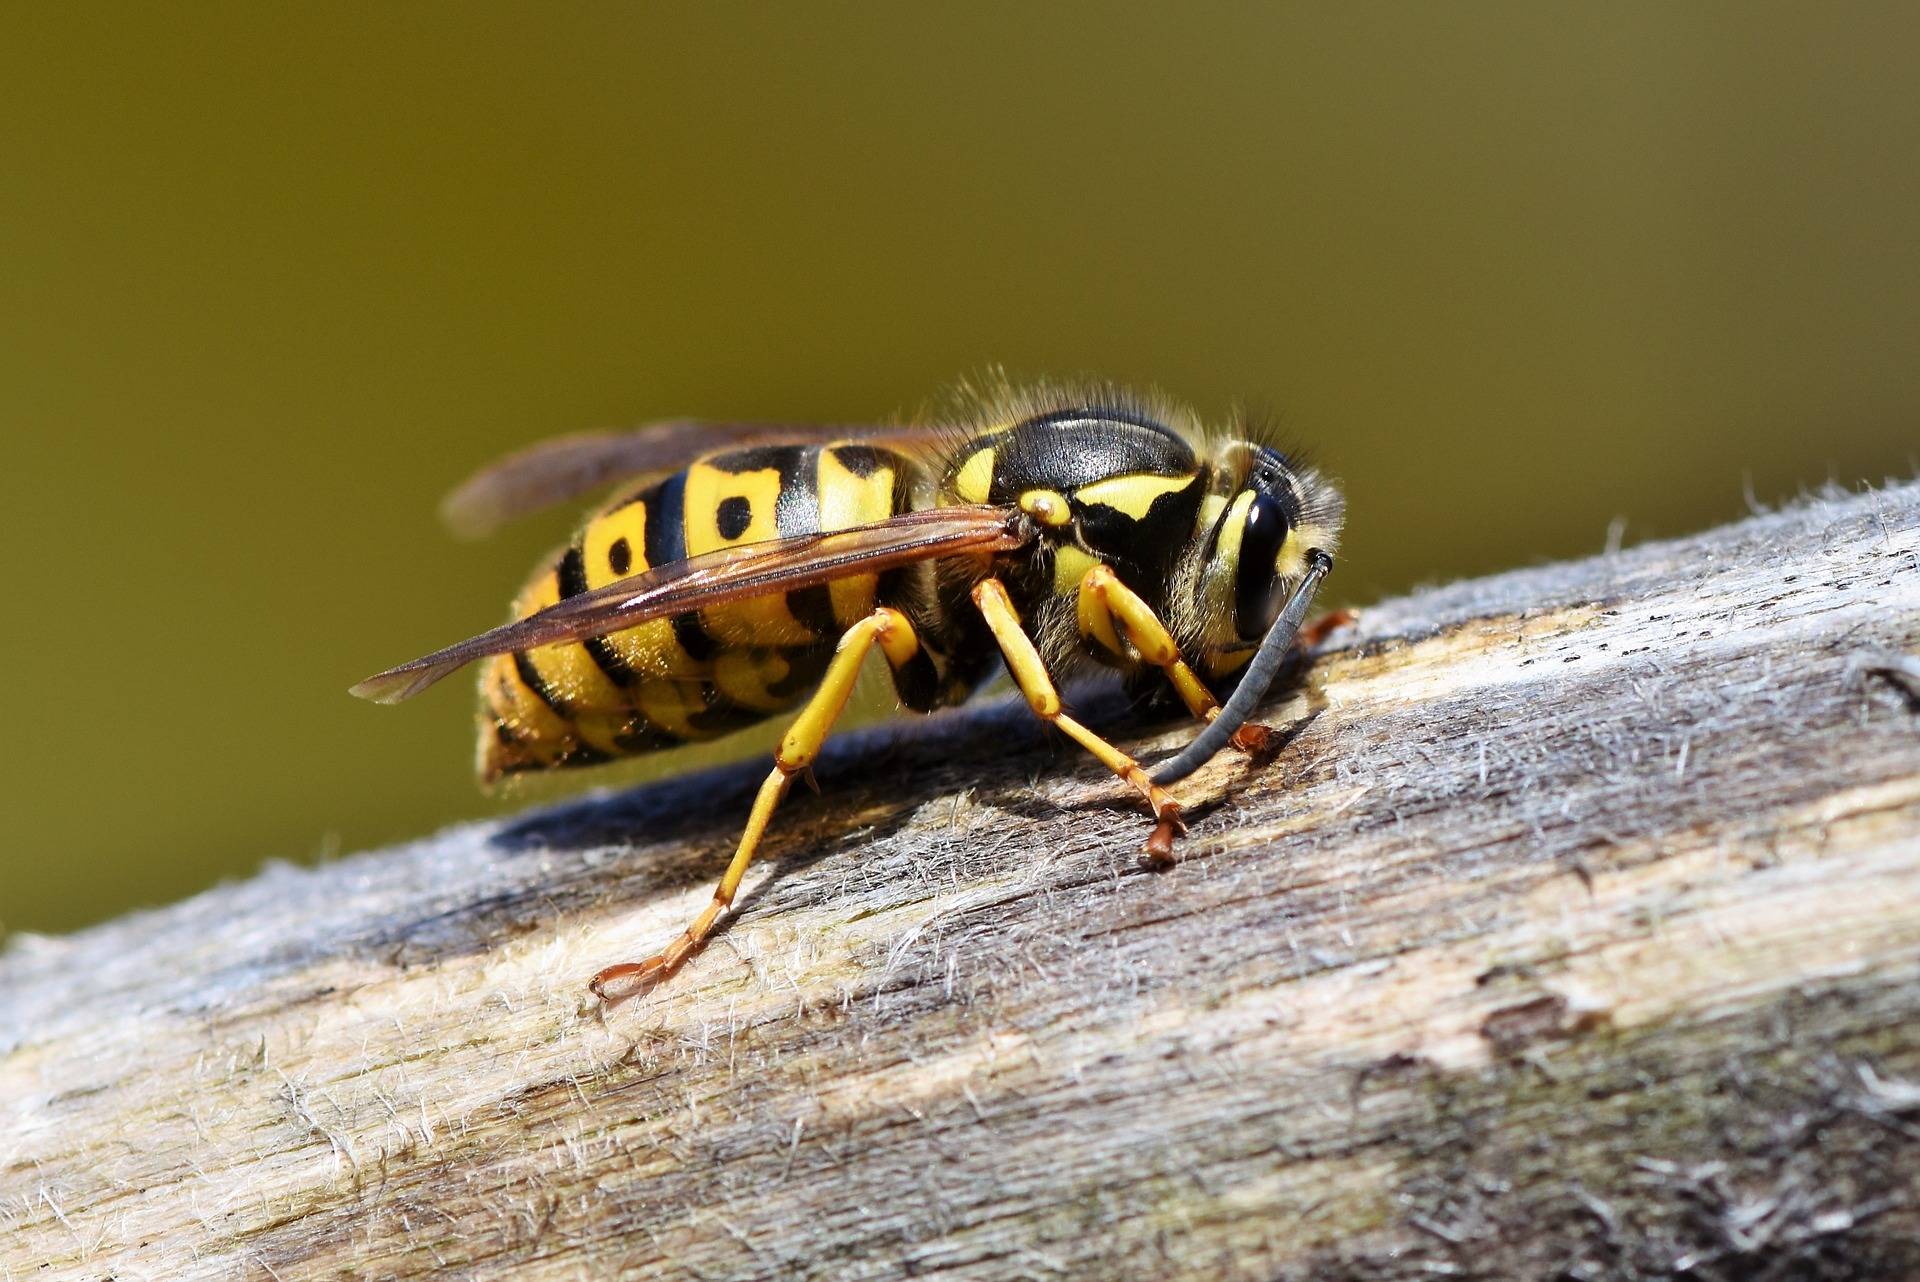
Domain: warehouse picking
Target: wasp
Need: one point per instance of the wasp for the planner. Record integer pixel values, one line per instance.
(748, 569)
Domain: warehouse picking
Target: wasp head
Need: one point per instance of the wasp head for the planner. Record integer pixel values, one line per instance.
(1266, 517)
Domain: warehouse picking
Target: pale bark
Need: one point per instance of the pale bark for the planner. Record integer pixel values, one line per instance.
(1577, 929)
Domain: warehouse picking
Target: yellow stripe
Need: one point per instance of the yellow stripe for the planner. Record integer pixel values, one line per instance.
(974, 481)
(764, 621)
(542, 732)
(846, 500)
(1222, 572)
(1134, 494)
(665, 706)
(1070, 565)
(567, 669)
(1227, 551)
(650, 649)
(708, 488)
(743, 676)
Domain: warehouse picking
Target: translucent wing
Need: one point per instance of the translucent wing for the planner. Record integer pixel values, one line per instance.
(714, 578)
(567, 467)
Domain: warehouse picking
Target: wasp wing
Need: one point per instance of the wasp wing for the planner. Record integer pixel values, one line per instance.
(715, 578)
(567, 467)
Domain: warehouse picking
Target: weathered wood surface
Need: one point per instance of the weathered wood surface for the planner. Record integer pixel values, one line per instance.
(1577, 933)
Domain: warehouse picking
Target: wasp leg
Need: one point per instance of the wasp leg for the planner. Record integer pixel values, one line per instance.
(1030, 674)
(893, 633)
(1103, 601)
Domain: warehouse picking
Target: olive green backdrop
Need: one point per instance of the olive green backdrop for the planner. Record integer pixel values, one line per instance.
(271, 278)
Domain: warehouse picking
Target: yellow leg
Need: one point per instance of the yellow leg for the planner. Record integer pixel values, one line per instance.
(1105, 601)
(1030, 674)
(894, 634)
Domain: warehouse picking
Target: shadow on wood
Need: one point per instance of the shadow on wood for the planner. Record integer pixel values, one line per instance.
(1577, 935)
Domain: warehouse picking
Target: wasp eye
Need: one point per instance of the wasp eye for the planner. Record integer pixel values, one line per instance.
(1256, 594)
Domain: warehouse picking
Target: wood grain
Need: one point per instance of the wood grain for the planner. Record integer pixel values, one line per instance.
(1575, 932)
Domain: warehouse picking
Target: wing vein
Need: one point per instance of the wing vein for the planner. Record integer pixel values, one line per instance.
(715, 578)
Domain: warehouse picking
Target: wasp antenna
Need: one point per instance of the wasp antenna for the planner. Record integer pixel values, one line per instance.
(1259, 677)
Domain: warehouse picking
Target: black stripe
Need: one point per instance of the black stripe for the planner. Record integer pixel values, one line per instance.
(798, 512)
(720, 715)
(861, 460)
(804, 670)
(892, 585)
(572, 572)
(902, 497)
(812, 609)
(756, 458)
(608, 660)
(573, 581)
(694, 637)
(640, 735)
(667, 543)
(534, 682)
(917, 682)
(798, 508)
(667, 521)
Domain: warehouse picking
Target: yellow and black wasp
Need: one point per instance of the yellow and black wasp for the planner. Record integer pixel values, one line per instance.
(1049, 529)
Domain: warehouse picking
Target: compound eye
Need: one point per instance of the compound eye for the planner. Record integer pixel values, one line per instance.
(1257, 596)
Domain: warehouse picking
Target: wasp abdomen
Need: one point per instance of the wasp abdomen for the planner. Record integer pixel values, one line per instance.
(702, 674)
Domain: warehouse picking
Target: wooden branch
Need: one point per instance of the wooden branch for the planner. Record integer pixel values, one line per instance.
(1576, 933)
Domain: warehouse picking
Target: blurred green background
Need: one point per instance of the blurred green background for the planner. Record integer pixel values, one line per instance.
(274, 278)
